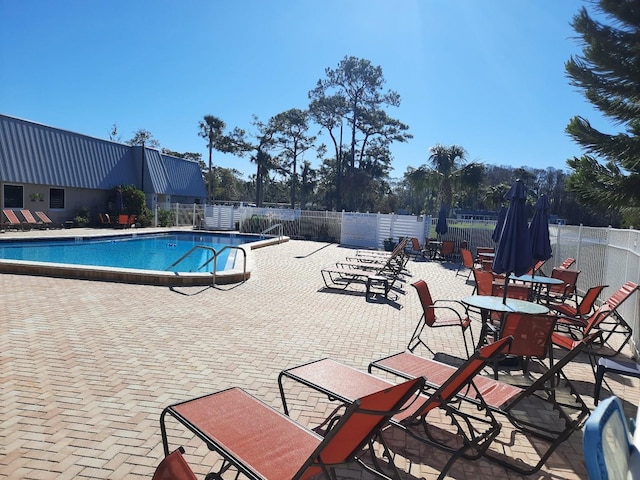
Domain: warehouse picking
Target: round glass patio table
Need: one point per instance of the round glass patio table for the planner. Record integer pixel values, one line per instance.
(539, 281)
(488, 304)
(496, 304)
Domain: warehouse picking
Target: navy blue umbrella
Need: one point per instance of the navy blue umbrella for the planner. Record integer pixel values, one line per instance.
(441, 226)
(513, 252)
(499, 224)
(539, 231)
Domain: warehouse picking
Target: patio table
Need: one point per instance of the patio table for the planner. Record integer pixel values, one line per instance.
(432, 248)
(487, 304)
(538, 281)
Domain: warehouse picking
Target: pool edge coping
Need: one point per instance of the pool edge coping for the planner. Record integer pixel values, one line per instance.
(141, 277)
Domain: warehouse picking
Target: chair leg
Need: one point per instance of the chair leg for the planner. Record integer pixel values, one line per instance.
(596, 391)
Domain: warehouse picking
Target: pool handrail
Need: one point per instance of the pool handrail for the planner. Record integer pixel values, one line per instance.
(273, 227)
(215, 261)
(191, 250)
(214, 258)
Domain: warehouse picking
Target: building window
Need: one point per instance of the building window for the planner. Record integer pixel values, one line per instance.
(13, 196)
(56, 198)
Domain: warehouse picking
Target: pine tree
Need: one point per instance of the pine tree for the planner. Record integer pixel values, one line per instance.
(607, 176)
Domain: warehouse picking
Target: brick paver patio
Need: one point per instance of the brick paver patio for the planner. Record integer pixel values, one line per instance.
(87, 367)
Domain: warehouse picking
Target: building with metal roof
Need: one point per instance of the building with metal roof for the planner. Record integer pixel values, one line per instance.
(60, 172)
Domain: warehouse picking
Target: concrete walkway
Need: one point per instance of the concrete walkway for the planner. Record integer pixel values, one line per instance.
(87, 367)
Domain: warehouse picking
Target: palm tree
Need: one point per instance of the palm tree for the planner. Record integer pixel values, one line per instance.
(211, 129)
(448, 164)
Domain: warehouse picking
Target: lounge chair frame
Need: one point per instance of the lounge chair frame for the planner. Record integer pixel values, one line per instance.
(46, 221)
(342, 383)
(505, 399)
(218, 418)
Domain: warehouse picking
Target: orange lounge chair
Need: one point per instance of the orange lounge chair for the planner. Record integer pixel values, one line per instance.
(30, 219)
(125, 221)
(582, 308)
(174, 467)
(566, 290)
(262, 443)
(565, 413)
(46, 221)
(567, 262)
(606, 318)
(14, 221)
(473, 432)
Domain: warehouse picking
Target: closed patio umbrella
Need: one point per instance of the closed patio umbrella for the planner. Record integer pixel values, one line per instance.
(499, 224)
(441, 226)
(539, 231)
(513, 252)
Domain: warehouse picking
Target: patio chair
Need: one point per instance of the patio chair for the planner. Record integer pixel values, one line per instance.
(565, 291)
(14, 221)
(606, 318)
(438, 314)
(489, 285)
(30, 219)
(174, 467)
(105, 220)
(261, 442)
(609, 453)
(567, 263)
(559, 415)
(473, 433)
(535, 270)
(467, 261)
(125, 221)
(46, 221)
(446, 250)
(531, 338)
(414, 248)
(484, 281)
(583, 308)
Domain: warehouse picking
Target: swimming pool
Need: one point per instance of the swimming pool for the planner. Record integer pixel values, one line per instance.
(167, 258)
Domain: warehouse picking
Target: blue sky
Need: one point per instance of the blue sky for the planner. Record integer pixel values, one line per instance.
(486, 75)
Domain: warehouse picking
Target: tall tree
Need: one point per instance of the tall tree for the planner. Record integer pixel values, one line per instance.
(449, 164)
(329, 112)
(608, 73)
(293, 140)
(355, 89)
(143, 137)
(211, 128)
(114, 134)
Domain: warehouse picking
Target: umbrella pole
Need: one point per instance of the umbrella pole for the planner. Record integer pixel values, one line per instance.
(504, 290)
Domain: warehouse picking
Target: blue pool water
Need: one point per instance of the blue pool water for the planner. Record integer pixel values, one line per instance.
(140, 251)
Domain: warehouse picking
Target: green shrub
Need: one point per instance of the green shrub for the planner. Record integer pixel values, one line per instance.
(165, 218)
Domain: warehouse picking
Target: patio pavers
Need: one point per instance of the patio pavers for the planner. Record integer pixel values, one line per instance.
(87, 367)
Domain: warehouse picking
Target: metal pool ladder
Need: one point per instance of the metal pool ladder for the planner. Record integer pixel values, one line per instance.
(273, 227)
(214, 258)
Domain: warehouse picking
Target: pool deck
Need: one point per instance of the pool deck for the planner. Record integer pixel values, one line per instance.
(86, 367)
